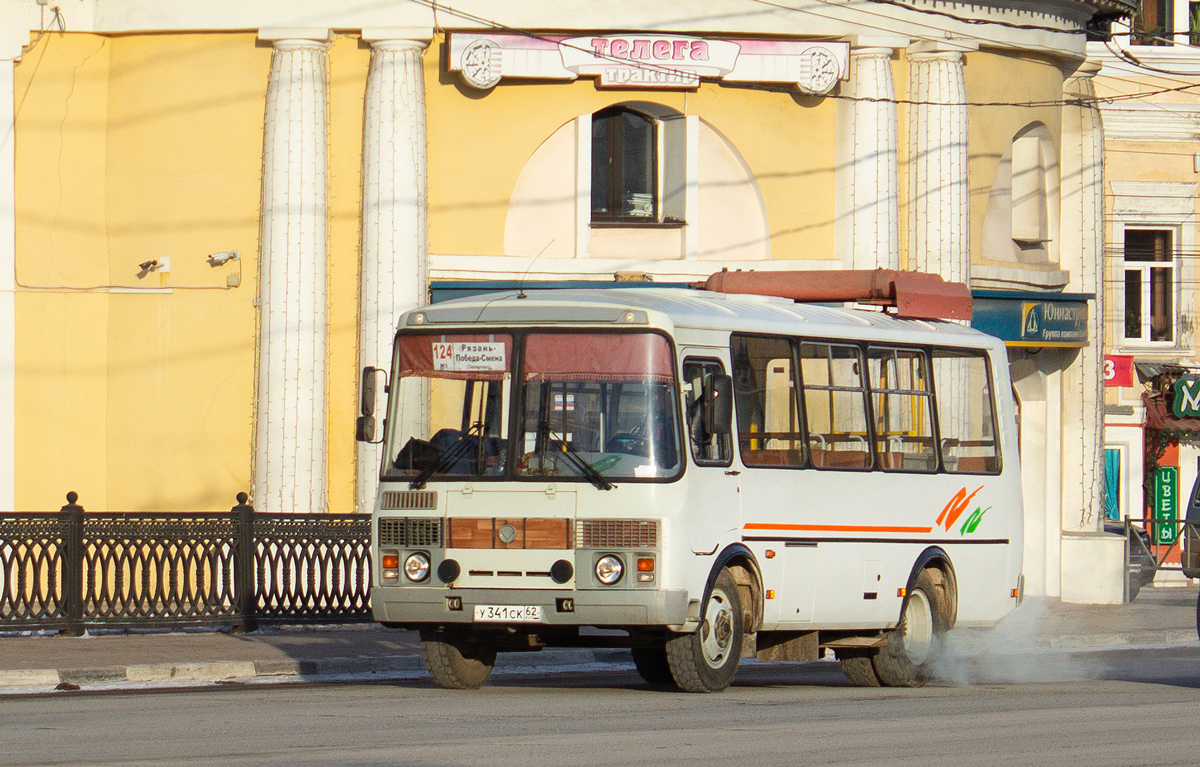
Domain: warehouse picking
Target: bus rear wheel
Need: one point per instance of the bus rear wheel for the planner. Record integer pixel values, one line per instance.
(860, 668)
(913, 645)
(457, 661)
(707, 660)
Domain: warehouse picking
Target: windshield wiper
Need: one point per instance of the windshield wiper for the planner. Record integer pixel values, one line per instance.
(448, 457)
(576, 460)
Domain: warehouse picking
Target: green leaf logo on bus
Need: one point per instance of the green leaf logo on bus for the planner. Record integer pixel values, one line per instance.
(955, 509)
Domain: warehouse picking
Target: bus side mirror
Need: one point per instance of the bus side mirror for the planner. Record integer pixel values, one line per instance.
(718, 405)
(369, 391)
(364, 427)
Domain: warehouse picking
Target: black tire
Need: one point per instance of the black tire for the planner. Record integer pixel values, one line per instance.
(860, 668)
(456, 661)
(651, 664)
(707, 660)
(912, 646)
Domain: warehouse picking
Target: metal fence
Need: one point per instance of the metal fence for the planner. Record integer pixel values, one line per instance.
(1159, 544)
(70, 570)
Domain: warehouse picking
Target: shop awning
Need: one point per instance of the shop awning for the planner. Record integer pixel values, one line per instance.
(1159, 415)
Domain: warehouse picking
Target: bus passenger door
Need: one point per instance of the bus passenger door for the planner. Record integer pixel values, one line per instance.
(714, 500)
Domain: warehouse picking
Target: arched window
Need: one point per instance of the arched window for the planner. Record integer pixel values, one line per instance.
(625, 166)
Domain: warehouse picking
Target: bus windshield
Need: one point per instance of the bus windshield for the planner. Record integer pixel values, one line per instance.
(595, 407)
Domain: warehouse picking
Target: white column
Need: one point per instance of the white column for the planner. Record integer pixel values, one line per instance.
(939, 196)
(395, 242)
(8, 255)
(290, 446)
(868, 180)
(937, 134)
(1082, 254)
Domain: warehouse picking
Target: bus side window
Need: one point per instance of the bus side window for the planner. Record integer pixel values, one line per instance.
(768, 411)
(835, 405)
(966, 412)
(707, 449)
(901, 407)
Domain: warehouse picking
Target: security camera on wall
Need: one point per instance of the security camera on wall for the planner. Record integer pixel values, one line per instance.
(224, 257)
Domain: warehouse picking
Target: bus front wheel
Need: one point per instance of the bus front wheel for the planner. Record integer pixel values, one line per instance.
(651, 664)
(706, 660)
(912, 646)
(457, 661)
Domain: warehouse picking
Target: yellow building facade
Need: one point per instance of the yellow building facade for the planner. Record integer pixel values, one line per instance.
(217, 213)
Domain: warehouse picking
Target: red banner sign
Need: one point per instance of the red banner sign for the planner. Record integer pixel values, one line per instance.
(1118, 370)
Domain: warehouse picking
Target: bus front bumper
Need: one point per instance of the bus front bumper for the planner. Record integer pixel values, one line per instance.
(618, 607)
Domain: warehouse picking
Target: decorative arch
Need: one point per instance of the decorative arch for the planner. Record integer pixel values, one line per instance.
(1021, 223)
(706, 203)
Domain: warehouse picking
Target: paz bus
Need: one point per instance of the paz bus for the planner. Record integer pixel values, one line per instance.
(744, 468)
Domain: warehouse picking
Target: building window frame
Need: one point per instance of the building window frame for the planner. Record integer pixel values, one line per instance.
(674, 149)
(1147, 256)
(1152, 206)
(1153, 22)
(626, 152)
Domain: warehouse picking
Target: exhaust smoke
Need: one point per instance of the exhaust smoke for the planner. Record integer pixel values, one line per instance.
(1009, 652)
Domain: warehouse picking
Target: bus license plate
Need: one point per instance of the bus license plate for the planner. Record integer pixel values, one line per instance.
(508, 613)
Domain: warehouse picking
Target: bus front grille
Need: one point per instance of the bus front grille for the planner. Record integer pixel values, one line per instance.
(412, 500)
(617, 534)
(410, 533)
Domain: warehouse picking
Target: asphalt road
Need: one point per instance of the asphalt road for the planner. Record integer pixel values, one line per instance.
(1127, 707)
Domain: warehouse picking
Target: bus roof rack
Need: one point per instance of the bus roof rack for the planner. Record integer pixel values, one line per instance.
(916, 295)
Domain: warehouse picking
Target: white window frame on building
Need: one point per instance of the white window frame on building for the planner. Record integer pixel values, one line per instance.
(1148, 285)
(1146, 206)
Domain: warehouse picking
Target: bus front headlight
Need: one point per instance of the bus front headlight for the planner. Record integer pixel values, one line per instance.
(609, 569)
(416, 567)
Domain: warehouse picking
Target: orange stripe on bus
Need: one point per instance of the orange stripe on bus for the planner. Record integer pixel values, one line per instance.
(838, 528)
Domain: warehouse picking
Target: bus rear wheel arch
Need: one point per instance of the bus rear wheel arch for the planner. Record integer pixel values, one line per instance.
(914, 645)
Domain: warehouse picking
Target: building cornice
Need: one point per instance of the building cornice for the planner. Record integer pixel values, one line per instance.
(1052, 27)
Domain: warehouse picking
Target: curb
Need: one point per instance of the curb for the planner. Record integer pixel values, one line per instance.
(1123, 638)
(220, 671)
(223, 671)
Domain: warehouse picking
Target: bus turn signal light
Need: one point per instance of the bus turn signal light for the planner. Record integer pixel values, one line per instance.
(901, 592)
(391, 561)
(645, 569)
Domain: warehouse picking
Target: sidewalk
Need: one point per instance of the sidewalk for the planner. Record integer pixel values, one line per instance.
(37, 663)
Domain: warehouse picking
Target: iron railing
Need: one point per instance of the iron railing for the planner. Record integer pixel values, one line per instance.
(1151, 546)
(71, 571)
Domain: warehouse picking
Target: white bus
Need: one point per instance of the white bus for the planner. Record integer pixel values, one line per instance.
(704, 476)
